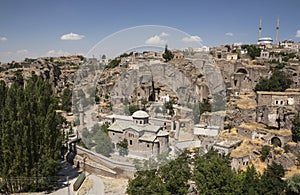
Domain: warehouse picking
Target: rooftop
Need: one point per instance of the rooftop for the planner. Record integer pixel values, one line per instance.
(140, 114)
(278, 93)
(120, 126)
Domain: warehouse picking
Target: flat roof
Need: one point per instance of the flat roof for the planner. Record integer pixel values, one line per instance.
(278, 92)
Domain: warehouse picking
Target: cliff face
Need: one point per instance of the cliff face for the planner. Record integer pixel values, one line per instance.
(59, 71)
(145, 78)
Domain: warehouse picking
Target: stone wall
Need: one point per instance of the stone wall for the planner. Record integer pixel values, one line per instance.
(277, 109)
(123, 169)
(238, 162)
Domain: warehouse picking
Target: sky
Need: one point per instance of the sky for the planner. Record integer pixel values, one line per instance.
(36, 28)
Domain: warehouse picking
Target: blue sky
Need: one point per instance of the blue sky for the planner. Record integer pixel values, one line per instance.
(32, 28)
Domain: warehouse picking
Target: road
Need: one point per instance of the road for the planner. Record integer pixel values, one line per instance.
(96, 188)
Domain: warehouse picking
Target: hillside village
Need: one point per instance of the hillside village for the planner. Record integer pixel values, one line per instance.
(165, 107)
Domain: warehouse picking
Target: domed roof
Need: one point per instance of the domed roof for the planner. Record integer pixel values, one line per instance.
(140, 114)
(265, 39)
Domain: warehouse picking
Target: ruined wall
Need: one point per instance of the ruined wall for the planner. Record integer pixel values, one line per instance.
(277, 109)
(238, 162)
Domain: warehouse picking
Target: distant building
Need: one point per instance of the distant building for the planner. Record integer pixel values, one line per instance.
(265, 41)
(231, 56)
(264, 54)
(258, 131)
(225, 147)
(239, 159)
(277, 109)
(287, 43)
(177, 54)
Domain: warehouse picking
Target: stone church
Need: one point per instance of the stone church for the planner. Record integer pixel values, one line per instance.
(144, 139)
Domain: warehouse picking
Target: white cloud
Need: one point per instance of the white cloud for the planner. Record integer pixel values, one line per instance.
(7, 53)
(192, 39)
(164, 34)
(22, 51)
(72, 36)
(229, 34)
(3, 39)
(298, 33)
(156, 40)
(54, 53)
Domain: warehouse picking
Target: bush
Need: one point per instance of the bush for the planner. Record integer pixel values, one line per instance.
(279, 81)
(265, 151)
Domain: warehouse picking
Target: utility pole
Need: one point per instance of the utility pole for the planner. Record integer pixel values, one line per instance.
(68, 184)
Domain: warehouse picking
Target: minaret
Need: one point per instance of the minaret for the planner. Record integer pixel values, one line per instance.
(277, 28)
(259, 29)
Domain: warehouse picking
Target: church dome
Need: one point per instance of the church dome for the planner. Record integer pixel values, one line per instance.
(140, 114)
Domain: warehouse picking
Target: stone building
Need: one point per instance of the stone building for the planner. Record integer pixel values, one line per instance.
(293, 70)
(241, 77)
(144, 139)
(259, 131)
(231, 56)
(239, 160)
(226, 146)
(277, 109)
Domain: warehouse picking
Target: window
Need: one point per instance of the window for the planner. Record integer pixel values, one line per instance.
(130, 142)
(113, 133)
(148, 146)
(131, 135)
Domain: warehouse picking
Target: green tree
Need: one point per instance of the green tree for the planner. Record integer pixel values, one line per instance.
(296, 129)
(123, 147)
(170, 178)
(218, 102)
(279, 81)
(250, 181)
(66, 100)
(144, 102)
(175, 174)
(146, 182)
(293, 185)
(98, 137)
(103, 144)
(213, 175)
(169, 106)
(30, 136)
(253, 51)
(133, 109)
(114, 63)
(265, 151)
(271, 181)
(205, 106)
(167, 55)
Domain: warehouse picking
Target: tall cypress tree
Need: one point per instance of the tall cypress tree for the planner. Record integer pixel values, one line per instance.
(30, 136)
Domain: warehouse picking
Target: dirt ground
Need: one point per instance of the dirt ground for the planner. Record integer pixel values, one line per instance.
(114, 186)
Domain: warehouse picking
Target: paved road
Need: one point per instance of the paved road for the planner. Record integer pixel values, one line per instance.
(96, 189)
(97, 186)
